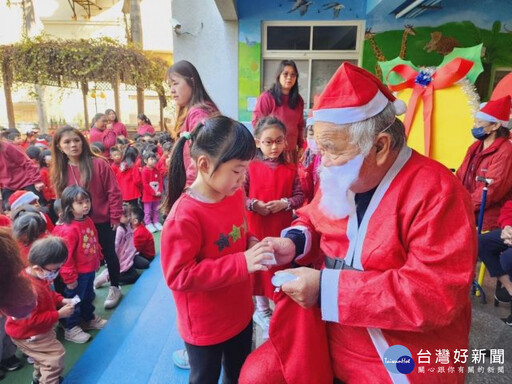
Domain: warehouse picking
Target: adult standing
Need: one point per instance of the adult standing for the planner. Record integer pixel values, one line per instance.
(283, 101)
(489, 157)
(384, 222)
(17, 172)
(144, 125)
(195, 105)
(114, 123)
(101, 133)
(73, 163)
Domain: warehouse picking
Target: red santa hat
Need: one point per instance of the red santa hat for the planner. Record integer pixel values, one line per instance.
(354, 94)
(495, 111)
(21, 197)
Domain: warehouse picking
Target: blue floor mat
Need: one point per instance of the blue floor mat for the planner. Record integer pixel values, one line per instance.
(136, 345)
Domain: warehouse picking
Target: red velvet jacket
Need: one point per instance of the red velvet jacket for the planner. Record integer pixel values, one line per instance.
(497, 160)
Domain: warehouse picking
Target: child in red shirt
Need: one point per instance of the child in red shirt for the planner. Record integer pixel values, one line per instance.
(128, 177)
(152, 185)
(208, 253)
(79, 232)
(35, 335)
(273, 190)
(142, 238)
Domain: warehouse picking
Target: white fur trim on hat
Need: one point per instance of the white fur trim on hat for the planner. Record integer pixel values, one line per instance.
(400, 107)
(26, 198)
(349, 115)
(491, 119)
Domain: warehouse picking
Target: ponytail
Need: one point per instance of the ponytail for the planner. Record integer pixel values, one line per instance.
(176, 177)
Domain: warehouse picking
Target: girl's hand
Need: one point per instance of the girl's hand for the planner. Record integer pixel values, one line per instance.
(73, 285)
(275, 206)
(256, 255)
(158, 194)
(66, 311)
(261, 208)
(67, 301)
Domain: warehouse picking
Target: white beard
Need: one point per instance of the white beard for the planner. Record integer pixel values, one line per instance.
(337, 199)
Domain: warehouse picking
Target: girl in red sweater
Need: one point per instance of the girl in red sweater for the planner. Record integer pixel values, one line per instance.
(273, 190)
(152, 186)
(84, 255)
(128, 177)
(208, 253)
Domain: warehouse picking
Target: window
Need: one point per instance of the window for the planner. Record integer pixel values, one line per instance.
(318, 49)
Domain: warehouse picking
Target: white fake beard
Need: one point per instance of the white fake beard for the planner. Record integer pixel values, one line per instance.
(337, 199)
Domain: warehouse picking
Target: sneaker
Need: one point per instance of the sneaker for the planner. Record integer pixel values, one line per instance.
(501, 294)
(151, 228)
(508, 320)
(158, 226)
(113, 298)
(10, 364)
(96, 323)
(180, 359)
(262, 318)
(76, 335)
(101, 279)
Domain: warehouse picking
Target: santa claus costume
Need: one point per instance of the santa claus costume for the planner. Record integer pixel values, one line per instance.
(397, 270)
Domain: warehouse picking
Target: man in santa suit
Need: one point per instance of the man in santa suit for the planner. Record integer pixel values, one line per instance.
(396, 234)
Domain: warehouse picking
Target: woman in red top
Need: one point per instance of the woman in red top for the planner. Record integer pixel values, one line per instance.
(195, 105)
(144, 125)
(114, 123)
(205, 255)
(101, 133)
(490, 157)
(283, 101)
(73, 163)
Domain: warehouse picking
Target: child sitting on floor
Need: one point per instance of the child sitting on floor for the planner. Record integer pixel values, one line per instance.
(142, 238)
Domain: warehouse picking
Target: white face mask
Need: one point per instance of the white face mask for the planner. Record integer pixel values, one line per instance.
(337, 199)
(312, 145)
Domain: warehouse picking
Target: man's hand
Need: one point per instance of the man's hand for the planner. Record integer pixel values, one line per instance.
(305, 290)
(284, 249)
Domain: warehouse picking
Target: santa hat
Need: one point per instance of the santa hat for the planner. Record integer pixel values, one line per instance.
(310, 120)
(495, 111)
(21, 197)
(353, 95)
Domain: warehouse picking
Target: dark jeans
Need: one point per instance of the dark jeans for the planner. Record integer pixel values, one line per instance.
(140, 262)
(206, 361)
(107, 238)
(85, 290)
(129, 277)
(496, 255)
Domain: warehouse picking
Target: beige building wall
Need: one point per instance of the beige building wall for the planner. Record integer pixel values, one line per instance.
(55, 18)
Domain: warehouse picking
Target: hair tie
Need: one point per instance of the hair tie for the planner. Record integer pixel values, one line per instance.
(186, 135)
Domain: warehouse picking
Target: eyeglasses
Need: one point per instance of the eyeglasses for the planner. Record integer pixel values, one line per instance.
(269, 143)
(293, 75)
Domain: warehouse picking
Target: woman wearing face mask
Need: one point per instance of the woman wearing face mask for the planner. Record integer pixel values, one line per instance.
(490, 157)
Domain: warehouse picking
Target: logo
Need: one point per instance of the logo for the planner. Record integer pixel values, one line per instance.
(398, 359)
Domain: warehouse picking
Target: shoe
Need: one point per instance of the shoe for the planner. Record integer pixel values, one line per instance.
(501, 294)
(10, 364)
(262, 318)
(180, 359)
(151, 228)
(508, 320)
(158, 226)
(96, 323)
(113, 298)
(76, 335)
(101, 279)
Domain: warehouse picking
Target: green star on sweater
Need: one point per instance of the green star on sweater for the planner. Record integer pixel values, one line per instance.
(235, 233)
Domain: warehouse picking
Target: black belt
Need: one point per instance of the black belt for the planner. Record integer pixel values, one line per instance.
(336, 263)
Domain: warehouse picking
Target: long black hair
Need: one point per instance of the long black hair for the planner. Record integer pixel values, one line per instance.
(276, 91)
(220, 138)
(130, 156)
(68, 197)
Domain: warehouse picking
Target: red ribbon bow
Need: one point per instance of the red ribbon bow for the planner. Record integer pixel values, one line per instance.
(443, 77)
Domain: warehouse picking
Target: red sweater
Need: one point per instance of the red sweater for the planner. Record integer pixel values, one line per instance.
(152, 182)
(106, 137)
(16, 169)
(48, 191)
(144, 241)
(84, 250)
(42, 318)
(496, 160)
(5, 221)
(204, 265)
(293, 119)
(130, 182)
(120, 129)
(107, 204)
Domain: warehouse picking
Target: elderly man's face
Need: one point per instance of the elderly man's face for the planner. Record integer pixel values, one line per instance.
(336, 149)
